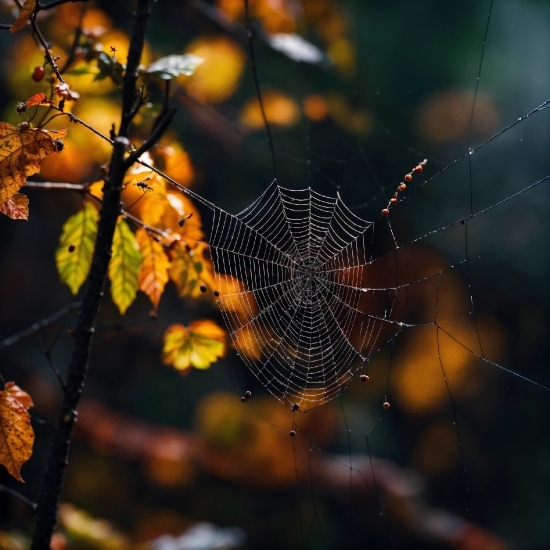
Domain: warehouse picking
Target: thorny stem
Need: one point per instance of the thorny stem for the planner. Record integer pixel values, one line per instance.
(57, 463)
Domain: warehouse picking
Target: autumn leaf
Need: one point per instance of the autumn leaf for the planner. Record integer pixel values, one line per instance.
(153, 274)
(191, 270)
(21, 152)
(38, 99)
(16, 208)
(16, 433)
(74, 253)
(22, 396)
(27, 10)
(201, 343)
(124, 267)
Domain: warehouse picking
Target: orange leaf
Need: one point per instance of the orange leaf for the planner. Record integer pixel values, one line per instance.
(22, 396)
(153, 274)
(38, 99)
(16, 208)
(21, 152)
(27, 10)
(201, 343)
(16, 433)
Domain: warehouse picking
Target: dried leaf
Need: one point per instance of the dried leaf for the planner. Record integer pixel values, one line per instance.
(16, 208)
(190, 269)
(38, 99)
(22, 396)
(74, 253)
(16, 434)
(27, 10)
(172, 66)
(153, 274)
(21, 152)
(199, 345)
(124, 267)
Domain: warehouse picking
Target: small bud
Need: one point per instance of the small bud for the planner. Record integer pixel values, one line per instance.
(385, 212)
(292, 433)
(408, 177)
(386, 405)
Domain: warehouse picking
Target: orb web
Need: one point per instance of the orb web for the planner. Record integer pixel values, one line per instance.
(301, 316)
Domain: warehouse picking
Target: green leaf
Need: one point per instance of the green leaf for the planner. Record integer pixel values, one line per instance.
(124, 267)
(109, 66)
(73, 257)
(172, 66)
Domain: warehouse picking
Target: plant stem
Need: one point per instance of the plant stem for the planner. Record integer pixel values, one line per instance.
(58, 459)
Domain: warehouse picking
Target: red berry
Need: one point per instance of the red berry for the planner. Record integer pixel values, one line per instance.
(386, 405)
(418, 169)
(408, 177)
(385, 212)
(38, 74)
(402, 187)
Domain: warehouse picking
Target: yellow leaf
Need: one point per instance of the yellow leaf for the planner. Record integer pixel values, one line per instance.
(76, 245)
(191, 270)
(124, 267)
(201, 343)
(17, 207)
(27, 10)
(16, 434)
(21, 152)
(153, 274)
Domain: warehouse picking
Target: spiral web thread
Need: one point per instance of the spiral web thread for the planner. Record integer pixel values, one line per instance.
(305, 323)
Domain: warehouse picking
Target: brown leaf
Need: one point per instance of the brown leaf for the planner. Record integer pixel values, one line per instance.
(16, 434)
(27, 10)
(22, 396)
(38, 99)
(21, 152)
(16, 208)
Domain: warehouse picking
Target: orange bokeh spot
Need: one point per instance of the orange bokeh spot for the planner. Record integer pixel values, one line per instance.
(280, 110)
(315, 107)
(217, 78)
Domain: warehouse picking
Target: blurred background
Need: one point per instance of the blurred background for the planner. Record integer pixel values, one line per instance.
(163, 459)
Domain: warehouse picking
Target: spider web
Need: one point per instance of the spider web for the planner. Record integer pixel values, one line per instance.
(314, 295)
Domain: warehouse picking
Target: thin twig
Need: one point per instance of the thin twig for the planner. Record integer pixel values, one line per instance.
(152, 139)
(48, 355)
(46, 47)
(39, 325)
(76, 39)
(78, 187)
(19, 496)
(54, 4)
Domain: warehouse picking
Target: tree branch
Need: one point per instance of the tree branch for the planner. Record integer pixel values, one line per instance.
(39, 325)
(53, 479)
(152, 139)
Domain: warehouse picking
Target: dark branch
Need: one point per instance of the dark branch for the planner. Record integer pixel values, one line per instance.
(46, 47)
(152, 139)
(54, 4)
(18, 496)
(39, 325)
(58, 458)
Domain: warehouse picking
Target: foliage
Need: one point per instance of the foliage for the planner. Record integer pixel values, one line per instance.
(16, 433)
